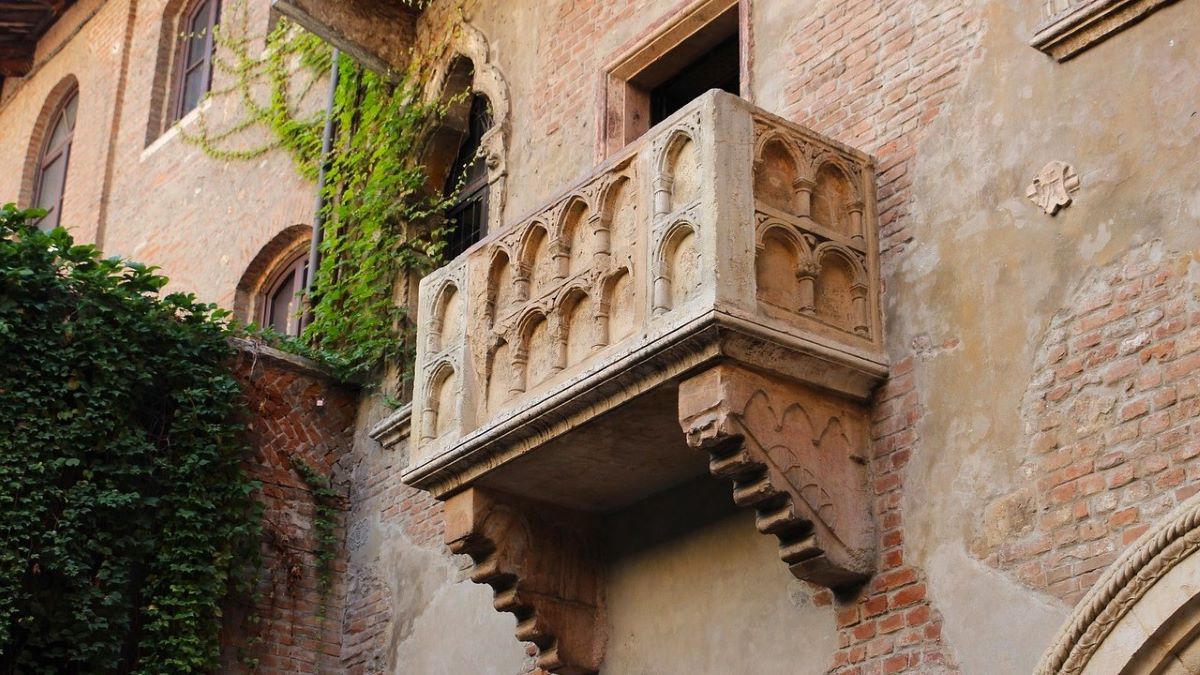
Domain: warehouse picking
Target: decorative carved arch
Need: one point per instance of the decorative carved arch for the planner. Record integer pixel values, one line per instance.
(284, 246)
(670, 150)
(1131, 618)
(830, 248)
(678, 230)
(787, 234)
(497, 263)
(775, 136)
(55, 99)
(441, 301)
(431, 414)
(470, 69)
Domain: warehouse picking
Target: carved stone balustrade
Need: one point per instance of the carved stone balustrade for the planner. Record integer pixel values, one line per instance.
(707, 299)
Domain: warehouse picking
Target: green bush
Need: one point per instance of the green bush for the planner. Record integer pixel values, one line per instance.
(125, 513)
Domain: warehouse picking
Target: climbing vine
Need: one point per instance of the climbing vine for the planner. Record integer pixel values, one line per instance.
(325, 501)
(125, 513)
(380, 217)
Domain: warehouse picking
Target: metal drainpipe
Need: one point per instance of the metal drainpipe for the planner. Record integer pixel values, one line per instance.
(314, 250)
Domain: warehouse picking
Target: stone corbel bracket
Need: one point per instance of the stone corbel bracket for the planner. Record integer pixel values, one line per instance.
(795, 455)
(543, 565)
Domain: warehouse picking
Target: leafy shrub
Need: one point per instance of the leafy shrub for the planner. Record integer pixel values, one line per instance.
(125, 515)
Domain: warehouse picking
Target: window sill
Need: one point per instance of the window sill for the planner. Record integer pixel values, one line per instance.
(173, 131)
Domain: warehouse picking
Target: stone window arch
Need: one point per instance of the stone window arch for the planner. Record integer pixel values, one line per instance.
(54, 135)
(467, 150)
(267, 293)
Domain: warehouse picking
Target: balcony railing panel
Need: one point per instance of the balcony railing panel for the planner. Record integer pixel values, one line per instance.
(725, 232)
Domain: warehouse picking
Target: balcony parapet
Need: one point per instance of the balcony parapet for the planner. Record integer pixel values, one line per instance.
(714, 286)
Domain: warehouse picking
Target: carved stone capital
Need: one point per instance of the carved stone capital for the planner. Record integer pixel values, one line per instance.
(544, 567)
(795, 455)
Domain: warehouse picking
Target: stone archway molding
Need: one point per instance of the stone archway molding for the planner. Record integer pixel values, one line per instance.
(1126, 582)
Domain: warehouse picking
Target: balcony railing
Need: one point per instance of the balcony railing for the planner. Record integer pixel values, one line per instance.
(726, 232)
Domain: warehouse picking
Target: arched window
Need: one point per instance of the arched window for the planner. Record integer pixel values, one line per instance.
(51, 177)
(281, 309)
(195, 55)
(468, 182)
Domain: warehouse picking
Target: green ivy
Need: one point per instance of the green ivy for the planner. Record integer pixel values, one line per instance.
(125, 513)
(325, 504)
(381, 221)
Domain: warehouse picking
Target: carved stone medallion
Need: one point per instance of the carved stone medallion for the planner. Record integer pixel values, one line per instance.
(1053, 186)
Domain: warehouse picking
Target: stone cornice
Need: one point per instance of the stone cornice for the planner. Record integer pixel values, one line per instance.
(1083, 23)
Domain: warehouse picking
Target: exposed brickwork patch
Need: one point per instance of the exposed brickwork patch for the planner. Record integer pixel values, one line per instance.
(291, 412)
(1113, 417)
(892, 626)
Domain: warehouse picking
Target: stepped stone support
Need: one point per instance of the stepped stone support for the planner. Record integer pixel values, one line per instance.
(797, 457)
(543, 565)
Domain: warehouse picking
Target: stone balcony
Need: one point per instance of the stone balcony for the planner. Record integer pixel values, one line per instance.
(705, 300)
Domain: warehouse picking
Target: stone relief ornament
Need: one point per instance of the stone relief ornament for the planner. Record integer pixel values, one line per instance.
(1053, 186)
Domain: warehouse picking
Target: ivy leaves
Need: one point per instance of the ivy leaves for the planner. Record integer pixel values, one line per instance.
(123, 505)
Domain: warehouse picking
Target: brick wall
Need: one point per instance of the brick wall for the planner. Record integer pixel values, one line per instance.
(294, 411)
(891, 625)
(1113, 414)
(200, 219)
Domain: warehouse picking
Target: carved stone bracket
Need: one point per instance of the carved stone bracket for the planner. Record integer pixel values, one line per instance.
(795, 455)
(544, 567)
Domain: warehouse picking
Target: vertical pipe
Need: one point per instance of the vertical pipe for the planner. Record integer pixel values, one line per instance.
(314, 250)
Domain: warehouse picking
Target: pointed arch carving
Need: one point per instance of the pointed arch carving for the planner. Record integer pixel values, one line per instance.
(469, 68)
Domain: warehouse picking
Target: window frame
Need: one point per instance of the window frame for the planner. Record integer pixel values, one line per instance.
(184, 41)
(295, 267)
(63, 151)
(624, 111)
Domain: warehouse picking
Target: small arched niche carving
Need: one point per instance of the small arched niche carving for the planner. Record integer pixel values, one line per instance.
(833, 196)
(441, 414)
(538, 259)
(621, 304)
(838, 290)
(777, 262)
(501, 291)
(679, 273)
(621, 216)
(775, 178)
(447, 319)
(500, 376)
(539, 349)
(679, 181)
(577, 234)
(577, 324)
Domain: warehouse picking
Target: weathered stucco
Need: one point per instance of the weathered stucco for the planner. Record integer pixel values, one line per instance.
(987, 271)
(961, 114)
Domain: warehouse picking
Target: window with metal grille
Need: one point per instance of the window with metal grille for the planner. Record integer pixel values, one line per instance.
(53, 160)
(195, 55)
(468, 183)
